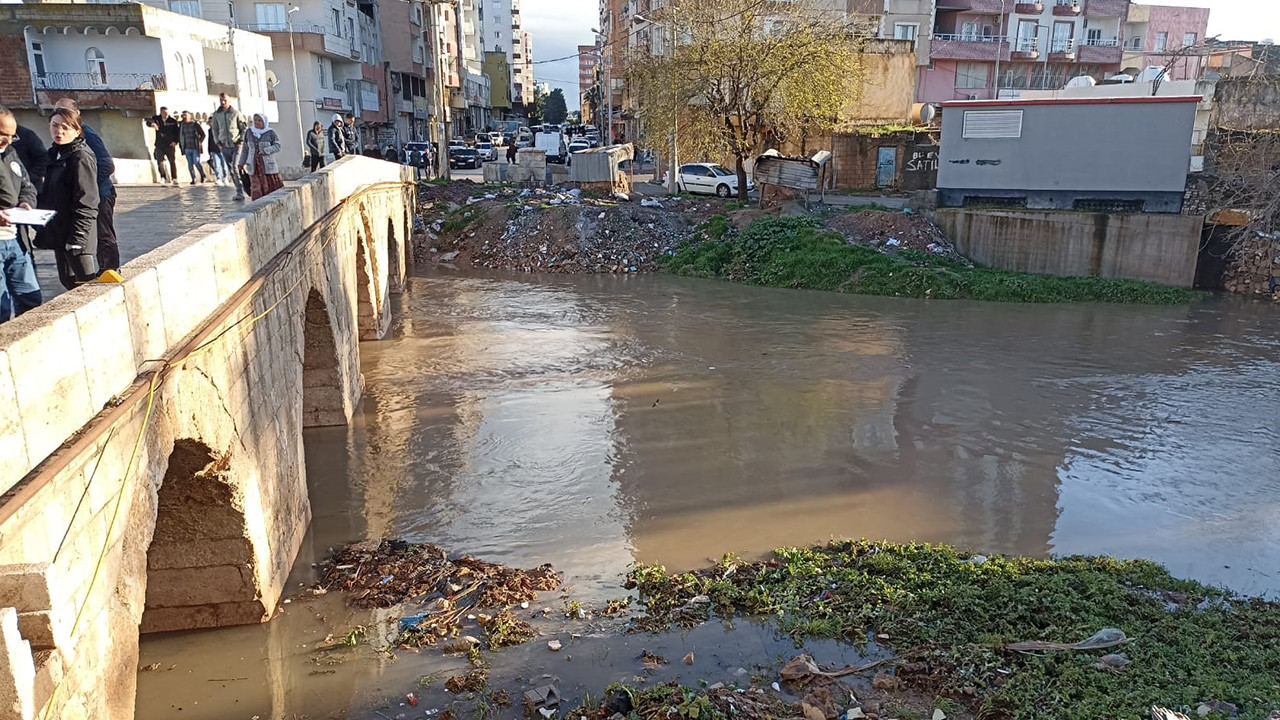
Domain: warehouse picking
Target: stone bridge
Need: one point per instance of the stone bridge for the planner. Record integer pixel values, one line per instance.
(151, 432)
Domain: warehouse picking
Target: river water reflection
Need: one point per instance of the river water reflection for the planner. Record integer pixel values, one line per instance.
(592, 422)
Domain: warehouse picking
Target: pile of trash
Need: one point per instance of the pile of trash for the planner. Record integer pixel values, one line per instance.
(563, 233)
(892, 231)
(453, 590)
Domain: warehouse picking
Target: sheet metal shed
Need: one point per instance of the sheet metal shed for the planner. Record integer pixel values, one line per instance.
(800, 173)
(600, 165)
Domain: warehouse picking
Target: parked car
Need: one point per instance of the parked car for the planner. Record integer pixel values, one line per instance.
(482, 137)
(709, 179)
(463, 157)
(578, 145)
(487, 151)
(457, 143)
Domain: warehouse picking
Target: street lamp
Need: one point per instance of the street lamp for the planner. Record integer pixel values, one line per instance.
(297, 100)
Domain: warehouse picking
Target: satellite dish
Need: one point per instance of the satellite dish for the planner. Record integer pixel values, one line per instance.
(1120, 78)
(1081, 81)
(1151, 74)
(272, 80)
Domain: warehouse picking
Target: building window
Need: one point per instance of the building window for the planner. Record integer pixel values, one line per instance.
(992, 124)
(1093, 35)
(271, 16)
(351, 29)
(37, 58)
(182, 71)
(190, 8)
(97, 65)
(1162, 41)
(905, 31)
(972, 74)
(322, 74)
(1189, 40)
(337, 23)
(192, 74)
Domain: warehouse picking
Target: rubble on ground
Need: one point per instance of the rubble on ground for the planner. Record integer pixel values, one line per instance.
(890, 231)
(555, 230)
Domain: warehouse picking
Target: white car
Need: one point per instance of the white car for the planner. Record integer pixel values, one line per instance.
(709, 179)
(487, 151)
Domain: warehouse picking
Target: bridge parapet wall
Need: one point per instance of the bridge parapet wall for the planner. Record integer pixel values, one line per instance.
(180, 505)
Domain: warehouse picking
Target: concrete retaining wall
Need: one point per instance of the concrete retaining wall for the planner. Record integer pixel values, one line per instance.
(200, 526)
(1155, 248)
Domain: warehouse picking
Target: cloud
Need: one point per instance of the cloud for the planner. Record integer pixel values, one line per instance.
(558, 27)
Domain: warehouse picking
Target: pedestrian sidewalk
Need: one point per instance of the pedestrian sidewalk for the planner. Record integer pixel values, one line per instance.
(148, 216)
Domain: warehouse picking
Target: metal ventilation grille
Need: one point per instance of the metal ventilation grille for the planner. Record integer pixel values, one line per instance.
(992, 124)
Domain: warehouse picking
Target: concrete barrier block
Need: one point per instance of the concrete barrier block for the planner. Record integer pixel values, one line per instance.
(14, 461)
(47, 364)
(107, 338)
(17, 670)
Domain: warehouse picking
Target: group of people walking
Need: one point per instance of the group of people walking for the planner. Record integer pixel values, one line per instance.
(241, 152)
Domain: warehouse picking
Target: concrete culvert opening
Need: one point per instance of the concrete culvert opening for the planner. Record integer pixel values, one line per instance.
(200, 562)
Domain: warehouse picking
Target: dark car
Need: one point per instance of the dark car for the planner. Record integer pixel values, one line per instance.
(460, 157)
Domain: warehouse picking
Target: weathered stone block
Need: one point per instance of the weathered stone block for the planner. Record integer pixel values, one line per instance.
(203, 616)
(26, 587)
(206, 553)
(14, 461)
(146, 316)
(200, 586)
(188, 291)
(52, 388)
(107, 339)
(17, 670)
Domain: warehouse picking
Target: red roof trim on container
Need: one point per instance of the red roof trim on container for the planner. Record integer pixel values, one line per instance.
(1140, 100)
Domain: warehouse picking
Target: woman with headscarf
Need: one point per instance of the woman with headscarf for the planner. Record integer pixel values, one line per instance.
(71, 191)
(258, 158)
(338, 138)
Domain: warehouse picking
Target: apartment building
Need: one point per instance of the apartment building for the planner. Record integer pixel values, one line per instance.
(524, 83)
(588, 61)
(1038, 45)
(328, 55)
(410, 101)
(503, 33)
(122, 63)
(1163, 36)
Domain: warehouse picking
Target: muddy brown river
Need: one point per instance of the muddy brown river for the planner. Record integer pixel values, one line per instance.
(592, 422)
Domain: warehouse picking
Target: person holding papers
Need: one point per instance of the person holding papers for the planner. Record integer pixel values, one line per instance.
(19, 289)
(71, 191)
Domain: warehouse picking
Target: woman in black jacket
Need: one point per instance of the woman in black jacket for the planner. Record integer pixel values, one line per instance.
(315, 147)
(71, 190)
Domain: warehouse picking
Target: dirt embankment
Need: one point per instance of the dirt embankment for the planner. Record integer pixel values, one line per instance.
(554, 231)
(568, 231)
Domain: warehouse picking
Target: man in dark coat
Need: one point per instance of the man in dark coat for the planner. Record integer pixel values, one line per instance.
(167, 135)
(33, 154)
(19, 288)
(338, 139)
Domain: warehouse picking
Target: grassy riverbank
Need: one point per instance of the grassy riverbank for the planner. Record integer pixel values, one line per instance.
(797, 253)
(950, 617)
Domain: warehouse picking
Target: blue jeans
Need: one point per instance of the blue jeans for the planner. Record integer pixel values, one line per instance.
(19, 291)
(193, 164)
(218, 165)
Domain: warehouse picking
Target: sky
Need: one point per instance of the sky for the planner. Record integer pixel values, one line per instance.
(559, 26)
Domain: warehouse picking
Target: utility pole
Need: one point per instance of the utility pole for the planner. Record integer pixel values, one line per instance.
(1000, 44)
(438, 91)
(297, 100)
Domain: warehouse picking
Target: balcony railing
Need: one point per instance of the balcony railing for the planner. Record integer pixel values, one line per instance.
(1101, 42)
(96, 81)
(1066, 7)
(1063, 47)
(967, 37)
